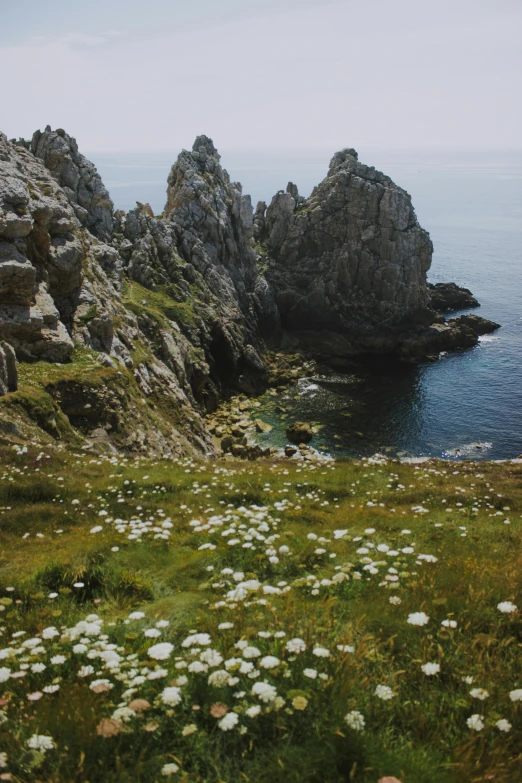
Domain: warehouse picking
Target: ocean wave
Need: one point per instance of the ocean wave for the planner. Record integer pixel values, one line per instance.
(488, 338)
(469, 449)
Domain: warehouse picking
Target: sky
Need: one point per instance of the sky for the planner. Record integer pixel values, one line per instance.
(125, 75)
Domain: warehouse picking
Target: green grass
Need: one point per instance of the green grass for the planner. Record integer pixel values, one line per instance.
(419, 736)
(157, 305)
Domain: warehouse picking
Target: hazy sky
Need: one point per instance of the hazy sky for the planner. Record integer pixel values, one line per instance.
(277, 74)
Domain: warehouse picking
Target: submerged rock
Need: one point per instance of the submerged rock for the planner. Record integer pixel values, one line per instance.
(262, 426)
(299, 432)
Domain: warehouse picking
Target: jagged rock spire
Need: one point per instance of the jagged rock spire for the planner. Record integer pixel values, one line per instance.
(79, 179)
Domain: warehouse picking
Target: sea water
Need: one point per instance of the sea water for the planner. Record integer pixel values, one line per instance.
(471, 203)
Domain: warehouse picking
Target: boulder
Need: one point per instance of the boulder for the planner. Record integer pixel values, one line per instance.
(299, 432)
(291, 451)
(229, 441)
(262, 426)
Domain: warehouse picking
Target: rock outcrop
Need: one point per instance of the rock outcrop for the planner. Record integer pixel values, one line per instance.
(203, 251)
(213, 223)
(352, 258)
(78, 179)
(445, 297)
(40, 258)
(348, 268)
(60, 286)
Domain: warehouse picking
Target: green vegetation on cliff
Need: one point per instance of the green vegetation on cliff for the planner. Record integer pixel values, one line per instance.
(158, 305)
(279, 621)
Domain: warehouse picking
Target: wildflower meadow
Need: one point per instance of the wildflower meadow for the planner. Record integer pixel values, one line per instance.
(279, 621)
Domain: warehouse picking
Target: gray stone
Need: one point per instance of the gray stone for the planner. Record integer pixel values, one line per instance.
(8, 370)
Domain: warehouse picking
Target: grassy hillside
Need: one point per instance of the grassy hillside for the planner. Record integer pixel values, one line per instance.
(221, 622)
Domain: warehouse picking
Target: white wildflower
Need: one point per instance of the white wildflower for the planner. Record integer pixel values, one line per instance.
(321, 652)
(251, 652)
(219, 678)
(418, 618)
(50, 633)
(264, 691)
(269, 662)
(211, 657)
(476, 722)
(384, 692)
(85, 671)
(160, 652)
(51, 688)
(507, 607)
(479, 693)
(194, 640)
(40, 742)
(171, 696)
(355, 720)
(296, 646)
(430, 668)
(169, 769)
(229, 721)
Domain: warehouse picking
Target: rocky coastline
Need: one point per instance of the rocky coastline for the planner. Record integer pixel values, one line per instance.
(126, 331)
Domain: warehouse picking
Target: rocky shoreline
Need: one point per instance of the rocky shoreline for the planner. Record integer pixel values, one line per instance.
(148, 323)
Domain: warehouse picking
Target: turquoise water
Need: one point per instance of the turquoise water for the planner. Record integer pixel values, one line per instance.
(471, 203)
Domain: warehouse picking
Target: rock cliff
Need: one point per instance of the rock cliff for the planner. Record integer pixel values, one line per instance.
(352, 258)
(147, 321)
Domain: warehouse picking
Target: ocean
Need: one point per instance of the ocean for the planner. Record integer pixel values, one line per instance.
(471, 203)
